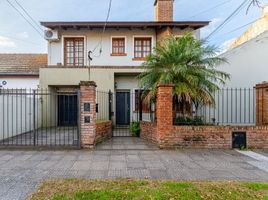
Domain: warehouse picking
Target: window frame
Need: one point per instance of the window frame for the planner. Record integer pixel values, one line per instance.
(142, 37)
(125, 46)
(65, 39)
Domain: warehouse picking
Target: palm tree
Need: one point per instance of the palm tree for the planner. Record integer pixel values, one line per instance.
(187, 63)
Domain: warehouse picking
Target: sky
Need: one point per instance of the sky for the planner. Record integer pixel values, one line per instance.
(17, 36)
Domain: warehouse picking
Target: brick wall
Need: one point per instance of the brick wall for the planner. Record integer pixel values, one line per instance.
(262, 104)
(103, 131)
(166, 135)
(207, 137)
(88, 129)
(164, 110)
(148, 132)
(215, 137)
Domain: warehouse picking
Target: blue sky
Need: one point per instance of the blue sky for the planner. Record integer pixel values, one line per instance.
(16, 35)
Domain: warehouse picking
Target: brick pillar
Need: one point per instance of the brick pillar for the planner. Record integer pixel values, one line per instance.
(164, 110)
(163, 33)
(262, 104)
(88, 113)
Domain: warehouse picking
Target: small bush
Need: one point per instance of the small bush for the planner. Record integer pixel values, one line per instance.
(135, 128)
(196, 121)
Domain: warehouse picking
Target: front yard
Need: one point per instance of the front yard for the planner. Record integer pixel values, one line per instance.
(78, 189)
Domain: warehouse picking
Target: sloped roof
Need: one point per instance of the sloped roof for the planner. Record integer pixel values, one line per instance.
(22, 64)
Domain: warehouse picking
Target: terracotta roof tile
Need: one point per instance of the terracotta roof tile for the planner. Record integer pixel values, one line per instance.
(22, 63)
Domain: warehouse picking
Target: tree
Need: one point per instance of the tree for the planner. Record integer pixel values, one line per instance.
(187, 63)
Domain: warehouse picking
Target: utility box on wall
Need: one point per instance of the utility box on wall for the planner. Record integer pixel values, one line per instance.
(239, 140)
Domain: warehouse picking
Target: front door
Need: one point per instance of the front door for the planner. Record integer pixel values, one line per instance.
(67, 110)
(122, 108)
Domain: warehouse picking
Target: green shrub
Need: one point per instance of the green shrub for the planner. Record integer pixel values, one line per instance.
(135, 128)
(196, 121)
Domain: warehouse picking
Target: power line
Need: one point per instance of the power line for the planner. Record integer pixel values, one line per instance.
(208, 10)
(238, 28)
(233, 14)
(104, 29)
(25, 11)
(25, 18)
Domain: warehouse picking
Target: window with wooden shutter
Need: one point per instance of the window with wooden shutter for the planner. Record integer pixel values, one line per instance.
(142, 48)
(74, 51)
(118, 47)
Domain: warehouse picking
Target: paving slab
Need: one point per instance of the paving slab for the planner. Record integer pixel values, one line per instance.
(22, 171)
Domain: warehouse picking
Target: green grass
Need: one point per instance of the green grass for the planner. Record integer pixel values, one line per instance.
(126, 189)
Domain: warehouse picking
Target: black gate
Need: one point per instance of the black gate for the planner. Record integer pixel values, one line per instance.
(39, 118)
(130, 109)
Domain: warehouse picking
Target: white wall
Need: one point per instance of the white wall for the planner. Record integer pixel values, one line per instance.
(92, 38)
(248, 63)
(20, 82)
(16, 115)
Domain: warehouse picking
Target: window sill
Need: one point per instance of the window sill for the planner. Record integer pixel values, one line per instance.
(138, 59)
(118, 54)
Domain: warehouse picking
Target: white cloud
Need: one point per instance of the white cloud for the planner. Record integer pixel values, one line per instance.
(23, 35)
(6, 42)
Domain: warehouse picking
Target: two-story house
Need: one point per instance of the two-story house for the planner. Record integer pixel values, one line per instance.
(74, 52)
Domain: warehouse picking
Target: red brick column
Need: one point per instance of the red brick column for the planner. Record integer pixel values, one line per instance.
(164, 108)
(262, 104)
(88, 113)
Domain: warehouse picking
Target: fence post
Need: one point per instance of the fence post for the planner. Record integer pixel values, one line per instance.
(140, 105)
(262, 104)
(164, 112)
(88, 116)
(34, 124)
(110, 104)
(78, 119)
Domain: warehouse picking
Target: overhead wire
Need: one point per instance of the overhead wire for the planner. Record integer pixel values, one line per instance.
(208, 10)
(14, 7)
(230, 17)
(27, 13)
(103, 31)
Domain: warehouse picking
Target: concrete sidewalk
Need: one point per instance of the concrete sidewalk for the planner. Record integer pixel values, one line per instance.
(22, 171)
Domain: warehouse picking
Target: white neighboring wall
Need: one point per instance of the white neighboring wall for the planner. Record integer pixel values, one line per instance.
(16, 115)
(19, 82)
(248, 63)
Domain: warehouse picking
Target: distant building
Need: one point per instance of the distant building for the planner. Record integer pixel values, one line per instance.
(21, 71)
(257, 28)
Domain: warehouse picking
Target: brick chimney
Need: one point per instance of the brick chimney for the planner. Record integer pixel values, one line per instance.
(164, 10)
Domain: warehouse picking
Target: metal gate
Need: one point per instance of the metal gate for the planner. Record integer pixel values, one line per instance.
(130, 109)
(39, 118)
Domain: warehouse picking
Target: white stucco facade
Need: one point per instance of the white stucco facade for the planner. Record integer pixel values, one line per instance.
(247, 63)
(93, 37)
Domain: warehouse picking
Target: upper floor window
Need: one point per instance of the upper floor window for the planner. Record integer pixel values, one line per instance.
(142, 47)
(74, 51)
(118, 46)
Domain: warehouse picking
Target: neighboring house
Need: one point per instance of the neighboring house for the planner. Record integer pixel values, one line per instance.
(21, 71)
(247, 57)
(257, 28)
(124, 45)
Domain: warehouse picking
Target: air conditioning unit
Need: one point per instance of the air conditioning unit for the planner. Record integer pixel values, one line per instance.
(51, 35)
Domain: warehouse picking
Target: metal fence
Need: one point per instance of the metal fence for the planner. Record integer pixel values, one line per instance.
(39, 118)
(233, 106)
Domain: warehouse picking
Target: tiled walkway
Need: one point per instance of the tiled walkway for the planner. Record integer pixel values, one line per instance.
(21, 171)
(126, 143)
